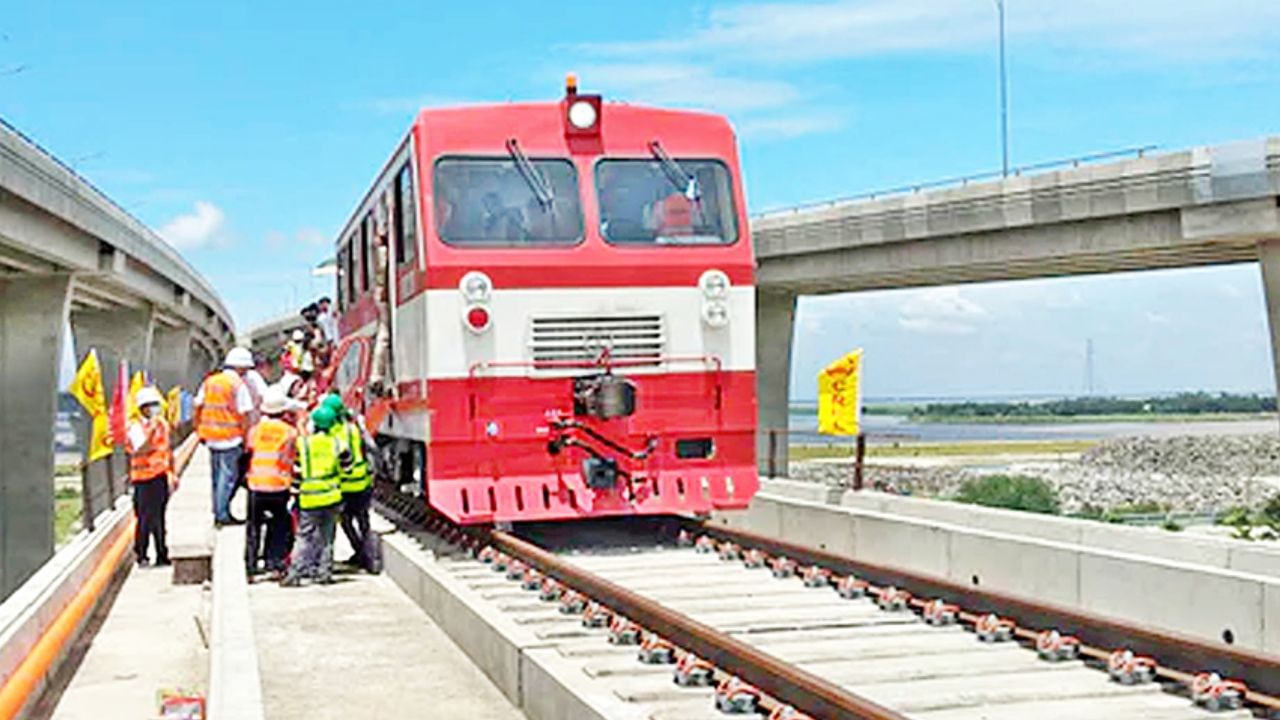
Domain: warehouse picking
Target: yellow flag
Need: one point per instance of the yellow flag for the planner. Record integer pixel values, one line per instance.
(87, 389)
(839, 391)
(131, 403)
(173, 406)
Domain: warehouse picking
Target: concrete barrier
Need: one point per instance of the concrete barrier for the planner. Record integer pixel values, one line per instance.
(1224, 553)
(1208, 602)
(32, 608)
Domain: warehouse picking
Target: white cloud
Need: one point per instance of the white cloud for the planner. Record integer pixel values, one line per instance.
(689, 85)
(811, 31)
(312, 236)
(1156, 318)
(941, 311)
(191, 230)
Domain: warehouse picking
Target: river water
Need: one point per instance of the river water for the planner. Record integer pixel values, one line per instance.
(900, 428)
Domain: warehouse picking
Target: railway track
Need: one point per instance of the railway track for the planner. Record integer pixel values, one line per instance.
(689, 624)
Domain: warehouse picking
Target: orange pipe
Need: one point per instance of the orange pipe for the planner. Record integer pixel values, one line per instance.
(26, 679)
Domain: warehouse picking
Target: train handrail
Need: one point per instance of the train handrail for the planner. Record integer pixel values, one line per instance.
(713, 360)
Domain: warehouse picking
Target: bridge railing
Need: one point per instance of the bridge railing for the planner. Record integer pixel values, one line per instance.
(963, 180)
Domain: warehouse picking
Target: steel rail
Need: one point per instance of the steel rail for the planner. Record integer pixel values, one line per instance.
(1179, 657)
(784, 682)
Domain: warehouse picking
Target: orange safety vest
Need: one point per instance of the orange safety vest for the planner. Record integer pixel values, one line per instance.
(157, 459)
(219, 419)
(271, 444)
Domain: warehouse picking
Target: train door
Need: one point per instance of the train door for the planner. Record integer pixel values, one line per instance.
(351, 371)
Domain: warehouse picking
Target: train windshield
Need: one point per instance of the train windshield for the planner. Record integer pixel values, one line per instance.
(652, 202)
(496, 201)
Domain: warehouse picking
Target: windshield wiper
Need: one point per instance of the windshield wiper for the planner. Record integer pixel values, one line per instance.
(683, 181)
(537, 183)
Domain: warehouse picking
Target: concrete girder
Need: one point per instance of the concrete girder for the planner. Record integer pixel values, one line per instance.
(117, 335)
(171, 356)
(33, 313)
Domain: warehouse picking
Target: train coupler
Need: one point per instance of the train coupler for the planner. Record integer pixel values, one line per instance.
(693, 671)
(939, 613)
(1055, 647)
(1212, 692)
(735, 697)
(1128, 669)
(991, 628)
(656, 651)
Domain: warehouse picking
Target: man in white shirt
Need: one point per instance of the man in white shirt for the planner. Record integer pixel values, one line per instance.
(327, 322)
(224, 413)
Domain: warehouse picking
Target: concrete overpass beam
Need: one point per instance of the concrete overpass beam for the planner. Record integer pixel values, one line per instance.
(775, 323)
(33, 313)
(119, 334)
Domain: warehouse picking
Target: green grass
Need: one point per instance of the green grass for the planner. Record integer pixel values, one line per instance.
(1011, 492)
(952, 449)
(67, 510)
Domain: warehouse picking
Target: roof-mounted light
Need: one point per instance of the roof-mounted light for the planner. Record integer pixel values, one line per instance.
(581, 112)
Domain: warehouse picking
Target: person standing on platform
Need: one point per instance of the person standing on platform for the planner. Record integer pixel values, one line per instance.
(224, 414)
(151, 475)
(317, 478)
(271, 448)
(327, 323)
(356, 485)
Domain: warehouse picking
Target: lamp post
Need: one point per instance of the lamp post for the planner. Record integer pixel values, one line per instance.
(1004, 98)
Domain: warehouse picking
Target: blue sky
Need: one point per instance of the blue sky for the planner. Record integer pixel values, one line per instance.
(246, 131)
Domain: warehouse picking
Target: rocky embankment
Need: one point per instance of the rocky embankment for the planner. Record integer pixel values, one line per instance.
(1181, 474)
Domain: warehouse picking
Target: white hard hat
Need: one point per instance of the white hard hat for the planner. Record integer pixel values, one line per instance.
(239, 357)
(148, 396)
(274, 401)
(299, 336)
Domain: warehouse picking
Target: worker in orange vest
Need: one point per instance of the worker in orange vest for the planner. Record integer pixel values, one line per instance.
(150, 474)
(224, 414)
(271, 449)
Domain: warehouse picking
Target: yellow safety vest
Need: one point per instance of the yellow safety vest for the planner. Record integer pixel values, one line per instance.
(318, 455)
(356, 478)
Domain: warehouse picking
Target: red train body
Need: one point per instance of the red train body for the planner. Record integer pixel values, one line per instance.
(563, 295)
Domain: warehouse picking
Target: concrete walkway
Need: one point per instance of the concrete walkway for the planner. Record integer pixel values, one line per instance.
(361, 649)
(155, 635)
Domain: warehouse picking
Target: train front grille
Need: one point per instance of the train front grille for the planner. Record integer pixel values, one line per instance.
(637, 339)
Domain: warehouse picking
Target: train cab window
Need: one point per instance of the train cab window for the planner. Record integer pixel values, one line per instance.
(406, 216)
(676, 202)
(500, 201)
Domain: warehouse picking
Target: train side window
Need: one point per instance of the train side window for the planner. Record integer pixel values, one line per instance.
(341, 269)
(366, 240)
(406, 216)
(348, 372)
(351, 266)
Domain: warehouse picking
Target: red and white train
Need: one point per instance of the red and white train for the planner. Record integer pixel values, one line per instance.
(548, 312)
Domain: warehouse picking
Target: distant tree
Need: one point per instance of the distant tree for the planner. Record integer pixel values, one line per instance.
(1013, 492)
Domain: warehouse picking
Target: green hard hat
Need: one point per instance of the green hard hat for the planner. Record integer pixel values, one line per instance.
(333, 402)
(323, 417)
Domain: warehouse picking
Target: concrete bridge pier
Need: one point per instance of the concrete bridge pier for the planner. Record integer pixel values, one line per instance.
(1269, 262)
(33, 313)
(117, 334)
(775, 326)
(171, 356)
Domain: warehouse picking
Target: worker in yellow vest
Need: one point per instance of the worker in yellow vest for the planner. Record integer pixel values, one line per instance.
(151, 475)
(224, 414)
(357, 487)
(321, 458)
(272, 448)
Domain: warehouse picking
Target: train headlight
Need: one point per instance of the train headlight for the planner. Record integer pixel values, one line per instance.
(476, 287)
(715, 313)
(582, 114)
(714, 284)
